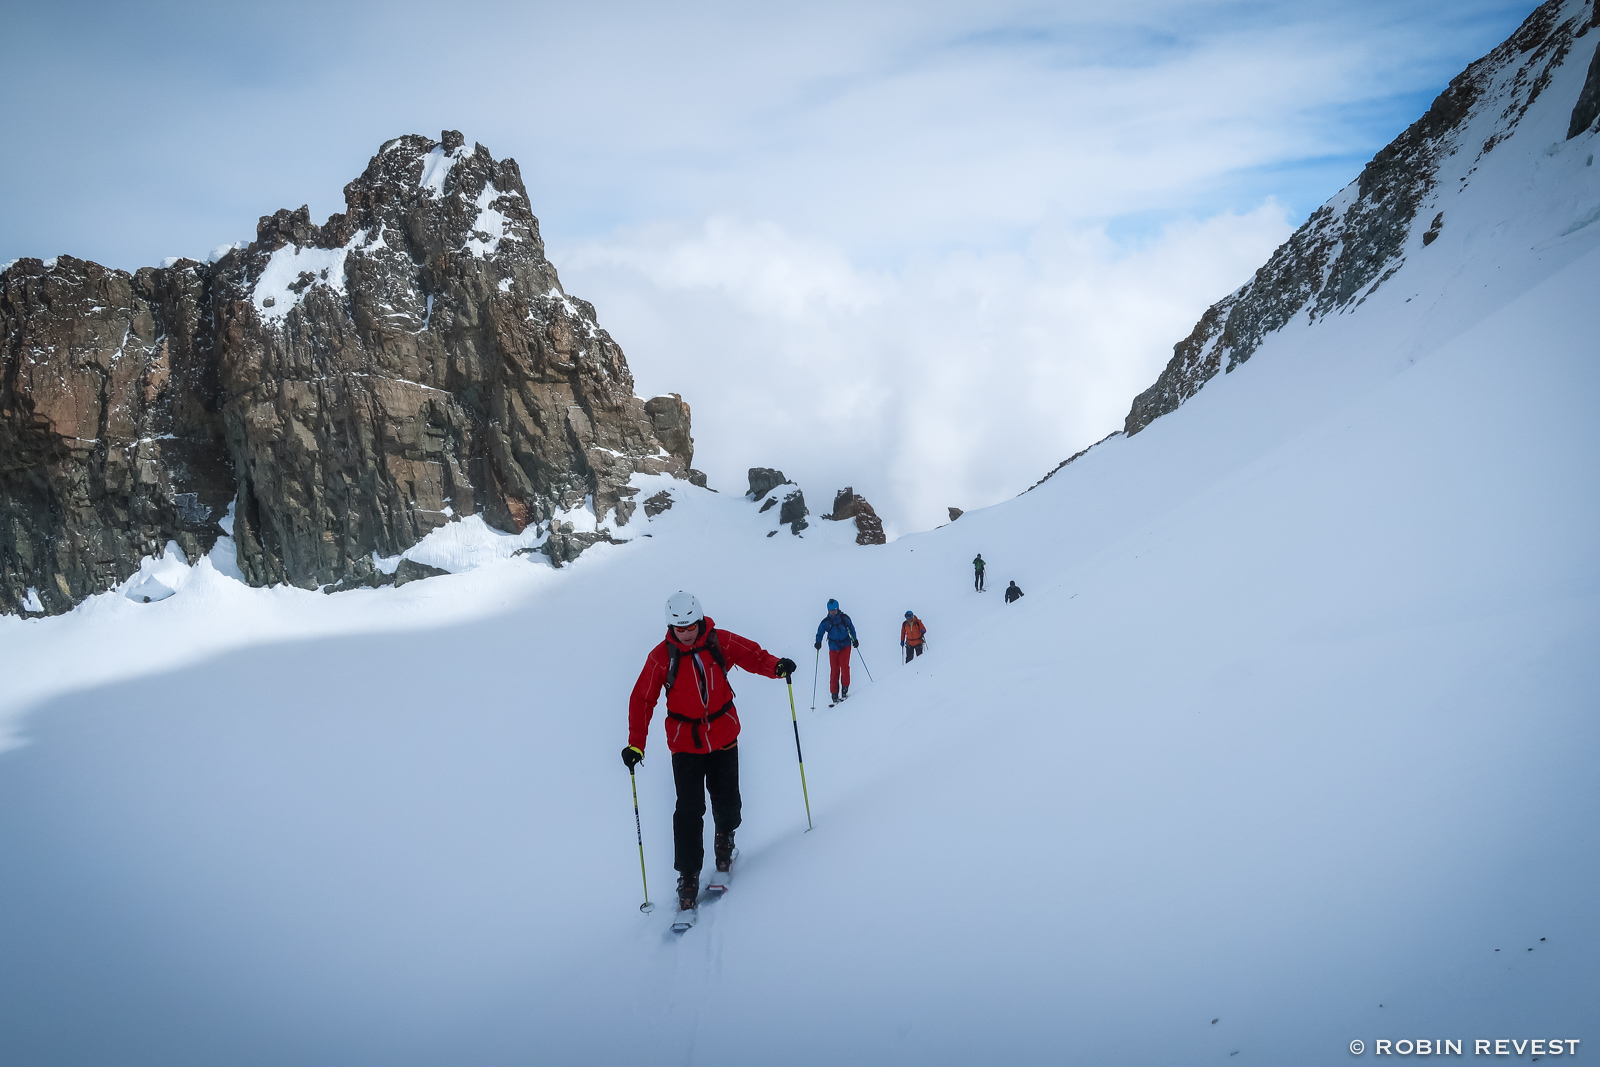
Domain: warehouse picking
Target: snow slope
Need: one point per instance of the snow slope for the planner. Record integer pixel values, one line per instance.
(1296, 719)
(1292, 741)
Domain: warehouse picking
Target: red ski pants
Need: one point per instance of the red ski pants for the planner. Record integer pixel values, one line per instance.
(838, 669)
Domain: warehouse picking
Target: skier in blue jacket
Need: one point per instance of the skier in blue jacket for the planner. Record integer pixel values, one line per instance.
(841, 634)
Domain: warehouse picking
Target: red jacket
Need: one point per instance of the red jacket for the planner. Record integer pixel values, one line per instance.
(699, 693)
(912, 631)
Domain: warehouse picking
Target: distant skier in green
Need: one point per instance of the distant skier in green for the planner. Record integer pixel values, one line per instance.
(977, 572)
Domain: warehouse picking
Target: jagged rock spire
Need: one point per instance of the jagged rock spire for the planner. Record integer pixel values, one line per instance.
(347, 387)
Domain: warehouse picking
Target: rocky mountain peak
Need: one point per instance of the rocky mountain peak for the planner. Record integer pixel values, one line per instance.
(342, 389)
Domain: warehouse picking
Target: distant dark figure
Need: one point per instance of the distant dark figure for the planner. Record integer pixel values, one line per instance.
(977, 572)
(1013, 593)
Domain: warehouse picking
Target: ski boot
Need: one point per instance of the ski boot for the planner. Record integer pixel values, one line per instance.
(724, 851)
(688, 890)
(844, 692)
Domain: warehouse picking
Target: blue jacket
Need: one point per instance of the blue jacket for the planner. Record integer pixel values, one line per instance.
(840, 630)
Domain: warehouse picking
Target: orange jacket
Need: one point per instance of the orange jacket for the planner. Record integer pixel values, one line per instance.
(911, 631)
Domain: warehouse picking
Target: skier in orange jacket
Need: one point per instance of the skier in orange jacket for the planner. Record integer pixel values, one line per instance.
(913, 635)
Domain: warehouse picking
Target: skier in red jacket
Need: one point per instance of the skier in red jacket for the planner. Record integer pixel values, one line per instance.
(702, 729)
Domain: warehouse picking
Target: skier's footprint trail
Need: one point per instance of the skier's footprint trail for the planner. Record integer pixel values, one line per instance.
(699, 963)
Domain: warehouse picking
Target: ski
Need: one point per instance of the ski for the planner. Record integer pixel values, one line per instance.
(719, 881)
(685, 919)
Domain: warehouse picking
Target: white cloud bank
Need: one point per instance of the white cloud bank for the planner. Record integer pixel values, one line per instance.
(956, 379)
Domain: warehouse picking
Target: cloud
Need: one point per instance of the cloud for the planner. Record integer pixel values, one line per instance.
(758, 266)
(958, 379)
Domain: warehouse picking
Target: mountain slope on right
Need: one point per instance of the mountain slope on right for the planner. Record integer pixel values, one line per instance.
(1461, 212)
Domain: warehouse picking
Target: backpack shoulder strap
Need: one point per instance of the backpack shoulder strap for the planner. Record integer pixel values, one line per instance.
(674, 657)
(715, 648)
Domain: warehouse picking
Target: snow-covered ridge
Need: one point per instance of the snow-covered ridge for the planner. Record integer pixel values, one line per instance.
(1490, 134)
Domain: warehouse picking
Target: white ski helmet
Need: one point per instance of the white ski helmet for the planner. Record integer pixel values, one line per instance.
(683, 609)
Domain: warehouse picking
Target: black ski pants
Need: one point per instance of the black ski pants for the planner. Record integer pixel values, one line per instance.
(977, 581)
(696, 774)
(912, 652)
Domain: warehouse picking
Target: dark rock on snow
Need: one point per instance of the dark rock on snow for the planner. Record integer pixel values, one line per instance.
(955, 513)
(764, 480)
(847, 504)
(369, 577)
(1434, 229)
(794, 511)
(657, 504)
(564, 546)
(346, 387)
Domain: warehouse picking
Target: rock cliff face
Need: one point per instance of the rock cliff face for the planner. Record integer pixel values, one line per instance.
(346, 388)
(1358, 240)
(111, 436)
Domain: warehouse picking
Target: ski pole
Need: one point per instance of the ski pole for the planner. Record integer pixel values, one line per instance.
(864, 666)
(796, 720)
(646, 907)
(815, 666)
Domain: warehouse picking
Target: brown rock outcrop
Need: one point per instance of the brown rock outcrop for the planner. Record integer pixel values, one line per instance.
(348, 387)
(848, 504)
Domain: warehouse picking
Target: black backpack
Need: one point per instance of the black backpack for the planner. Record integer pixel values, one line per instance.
(675, 658)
